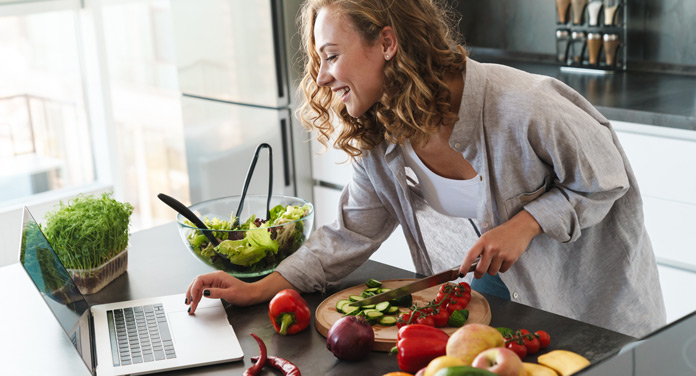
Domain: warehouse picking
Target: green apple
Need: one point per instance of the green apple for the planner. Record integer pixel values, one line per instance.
(472, 339)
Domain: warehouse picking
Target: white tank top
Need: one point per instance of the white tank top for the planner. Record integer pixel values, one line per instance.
(452, 197)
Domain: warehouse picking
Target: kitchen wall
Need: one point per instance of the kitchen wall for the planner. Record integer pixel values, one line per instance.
(661, 33)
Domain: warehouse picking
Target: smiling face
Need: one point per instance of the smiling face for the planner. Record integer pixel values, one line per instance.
(352, 68)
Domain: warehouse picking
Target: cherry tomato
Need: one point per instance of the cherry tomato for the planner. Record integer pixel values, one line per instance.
(463, 286)
(446, 287)
(403, 319)
(461, 298)
(425, 320)
(453, 300)
(530, 341)
(544, 338)
(465, 298)
(441, 317)
(518, 348)
(451, 307)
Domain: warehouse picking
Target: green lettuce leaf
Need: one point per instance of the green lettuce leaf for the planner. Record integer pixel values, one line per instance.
(250, 250)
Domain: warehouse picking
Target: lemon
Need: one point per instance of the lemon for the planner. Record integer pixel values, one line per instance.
(442, 362)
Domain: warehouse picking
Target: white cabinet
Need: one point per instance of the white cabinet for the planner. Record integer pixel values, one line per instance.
(664, 162)
(330, 166)
(677, 289)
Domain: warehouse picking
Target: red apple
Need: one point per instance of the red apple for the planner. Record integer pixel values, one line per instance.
(501, 361)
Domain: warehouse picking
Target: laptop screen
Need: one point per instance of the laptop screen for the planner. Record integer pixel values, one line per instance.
(56, 286)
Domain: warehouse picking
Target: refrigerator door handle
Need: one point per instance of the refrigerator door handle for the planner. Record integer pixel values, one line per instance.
(284, 135)
(279, 47)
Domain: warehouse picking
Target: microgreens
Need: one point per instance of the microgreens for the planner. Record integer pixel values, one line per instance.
(89, 230)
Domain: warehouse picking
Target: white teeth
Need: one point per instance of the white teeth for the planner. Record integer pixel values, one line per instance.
(343, 91)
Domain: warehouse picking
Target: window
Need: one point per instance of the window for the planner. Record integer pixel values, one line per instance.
(89, 102)
(145, 105)
(45, 140)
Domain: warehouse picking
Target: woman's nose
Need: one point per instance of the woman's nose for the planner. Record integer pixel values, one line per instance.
(323, 77)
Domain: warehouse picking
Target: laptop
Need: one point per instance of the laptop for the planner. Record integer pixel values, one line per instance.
(131, 337)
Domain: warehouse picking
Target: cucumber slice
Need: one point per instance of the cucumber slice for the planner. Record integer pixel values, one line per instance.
(373, 283)
(382, 306)
(341, 303)
(350, 310)
(369, 306)
(392, 310)
(355, 298)
(384, 290)
(373, 316)
(388, 320)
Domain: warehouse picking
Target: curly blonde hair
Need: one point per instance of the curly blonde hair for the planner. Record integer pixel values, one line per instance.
(415, 100)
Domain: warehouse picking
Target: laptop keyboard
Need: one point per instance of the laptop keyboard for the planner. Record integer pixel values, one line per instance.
(139, 334)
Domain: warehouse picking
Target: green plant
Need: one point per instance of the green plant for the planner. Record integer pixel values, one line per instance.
(88, 231)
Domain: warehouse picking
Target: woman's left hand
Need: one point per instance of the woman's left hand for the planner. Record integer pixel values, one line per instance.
(500, 247)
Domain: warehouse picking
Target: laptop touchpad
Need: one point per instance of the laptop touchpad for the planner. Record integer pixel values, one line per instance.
(201, 334)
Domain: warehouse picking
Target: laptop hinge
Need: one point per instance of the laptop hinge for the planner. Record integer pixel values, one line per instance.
(93, 342)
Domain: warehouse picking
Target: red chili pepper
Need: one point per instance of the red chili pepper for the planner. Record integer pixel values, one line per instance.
(256, 368)
(289, 312)
(417, 345)
(284, 365)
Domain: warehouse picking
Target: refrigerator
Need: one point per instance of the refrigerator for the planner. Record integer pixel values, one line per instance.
(236, 93)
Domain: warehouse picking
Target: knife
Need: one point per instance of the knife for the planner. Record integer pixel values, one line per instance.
(421, 284)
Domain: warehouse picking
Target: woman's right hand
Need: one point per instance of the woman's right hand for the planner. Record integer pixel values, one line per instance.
(220, 285)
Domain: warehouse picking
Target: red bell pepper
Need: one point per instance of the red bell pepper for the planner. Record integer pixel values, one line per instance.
(417, 345)
(289, 312)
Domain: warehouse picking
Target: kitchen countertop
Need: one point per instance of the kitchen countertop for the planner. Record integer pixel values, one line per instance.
(174, 269)
(661, 99)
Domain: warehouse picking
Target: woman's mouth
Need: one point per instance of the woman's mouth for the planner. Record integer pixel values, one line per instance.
(343, 92)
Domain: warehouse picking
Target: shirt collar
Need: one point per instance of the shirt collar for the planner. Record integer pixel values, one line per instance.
(471, 109)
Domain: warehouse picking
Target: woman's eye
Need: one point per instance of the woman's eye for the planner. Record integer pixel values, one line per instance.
(331, 58)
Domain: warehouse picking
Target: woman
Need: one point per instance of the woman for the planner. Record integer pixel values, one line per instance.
(439, 138)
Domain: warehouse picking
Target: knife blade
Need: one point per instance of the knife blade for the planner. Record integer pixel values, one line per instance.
(421, 284)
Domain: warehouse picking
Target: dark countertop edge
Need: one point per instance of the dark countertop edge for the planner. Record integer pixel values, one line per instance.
(649, 118)
(632, 65)
(612, 113)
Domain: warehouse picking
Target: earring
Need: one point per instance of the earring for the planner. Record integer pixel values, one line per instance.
(387, 57)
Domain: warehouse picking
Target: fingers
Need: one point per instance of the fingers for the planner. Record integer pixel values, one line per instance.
(195, 294)
(214, 293)
(196, 290)
(473, 253)
(495, 266)
(187, 301)
(483, 266)
(506, 265)
(491, 259)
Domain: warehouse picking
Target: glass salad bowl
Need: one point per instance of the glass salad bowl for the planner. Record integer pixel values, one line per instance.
(255, 246)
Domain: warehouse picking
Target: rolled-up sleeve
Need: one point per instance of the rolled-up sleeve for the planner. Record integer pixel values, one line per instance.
(334, 251)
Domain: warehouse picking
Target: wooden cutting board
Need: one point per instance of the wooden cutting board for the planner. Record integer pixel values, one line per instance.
(385, 336)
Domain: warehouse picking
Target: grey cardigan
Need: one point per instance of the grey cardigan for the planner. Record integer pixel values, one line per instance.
(540, 147)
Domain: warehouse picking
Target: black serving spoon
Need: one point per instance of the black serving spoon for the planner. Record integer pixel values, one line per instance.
(188, 214)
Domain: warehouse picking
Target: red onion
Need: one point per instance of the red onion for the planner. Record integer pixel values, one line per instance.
(350, 338)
